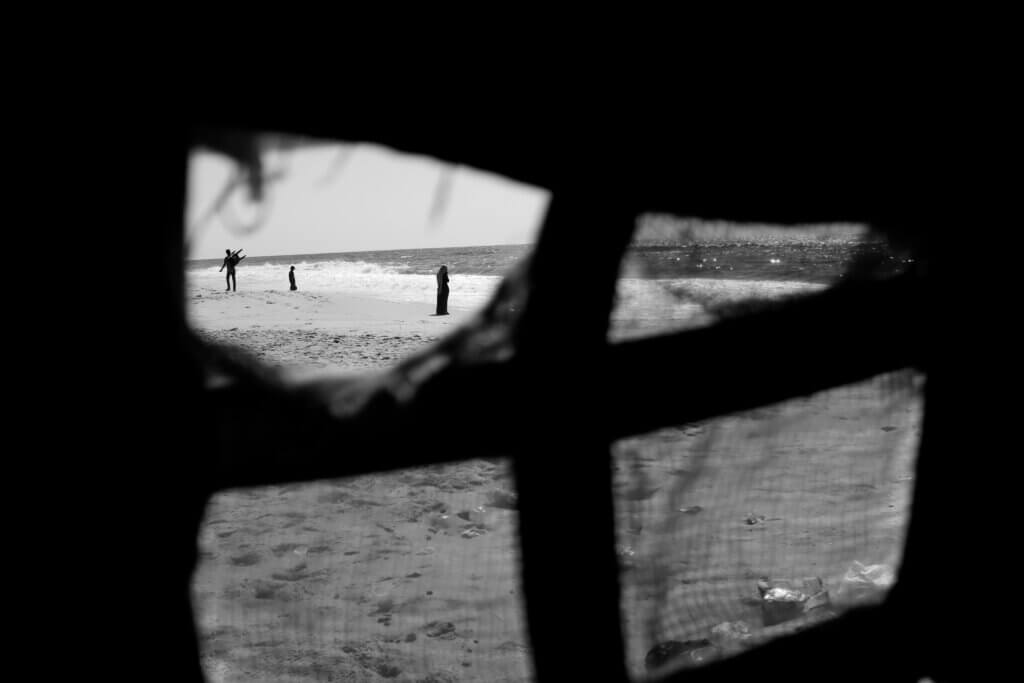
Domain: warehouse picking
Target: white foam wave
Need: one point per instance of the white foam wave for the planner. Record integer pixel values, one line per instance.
(683, 299)
(361, 278)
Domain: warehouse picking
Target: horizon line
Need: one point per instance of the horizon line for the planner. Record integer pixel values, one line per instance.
(364, 251)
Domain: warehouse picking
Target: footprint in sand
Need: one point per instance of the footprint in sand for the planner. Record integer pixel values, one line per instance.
(285, 548)
(296, 573)
(440, 629)
(246, 560)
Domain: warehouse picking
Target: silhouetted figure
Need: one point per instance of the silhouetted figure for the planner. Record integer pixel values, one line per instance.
(442, 291)
(291, 278)
(231, 260)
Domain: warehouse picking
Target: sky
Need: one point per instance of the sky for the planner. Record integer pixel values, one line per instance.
(336, 198)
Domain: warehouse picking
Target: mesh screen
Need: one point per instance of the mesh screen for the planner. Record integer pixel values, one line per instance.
(405, 575)
(409, 575)
(809, 496)
(741, 528)
(730, 531)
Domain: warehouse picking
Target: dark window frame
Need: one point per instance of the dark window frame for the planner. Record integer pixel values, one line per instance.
(800, 657)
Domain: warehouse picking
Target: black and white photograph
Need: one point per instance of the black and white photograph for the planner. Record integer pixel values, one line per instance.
(507, 404)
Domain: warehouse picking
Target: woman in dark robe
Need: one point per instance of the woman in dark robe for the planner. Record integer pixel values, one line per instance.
(442, 291)
(291, 278)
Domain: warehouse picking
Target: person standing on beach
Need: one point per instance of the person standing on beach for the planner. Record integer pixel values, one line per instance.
(442, 291)
(291, 278)
(230, 261)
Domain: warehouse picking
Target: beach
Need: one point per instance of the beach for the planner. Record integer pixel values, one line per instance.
(408, 575)
(413, 575)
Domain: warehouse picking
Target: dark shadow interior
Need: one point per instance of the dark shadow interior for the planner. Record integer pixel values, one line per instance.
(892, 177)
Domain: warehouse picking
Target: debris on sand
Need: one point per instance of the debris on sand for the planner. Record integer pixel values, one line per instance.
(865, 582)
(440, 629)
(783, 600)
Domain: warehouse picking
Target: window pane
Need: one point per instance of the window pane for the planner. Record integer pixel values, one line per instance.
(682, 273)
(810, 496)
(410, 574)
(745, 527)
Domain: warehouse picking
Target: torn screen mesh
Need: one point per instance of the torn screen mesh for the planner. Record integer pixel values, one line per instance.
(741, 528)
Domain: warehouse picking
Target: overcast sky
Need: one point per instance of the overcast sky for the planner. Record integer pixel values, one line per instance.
(335, 198)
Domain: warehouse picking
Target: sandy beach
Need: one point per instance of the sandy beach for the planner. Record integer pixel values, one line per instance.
(413, 575)
(404, 576)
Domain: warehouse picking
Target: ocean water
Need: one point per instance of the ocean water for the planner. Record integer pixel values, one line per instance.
(663, 282)
(405, 275)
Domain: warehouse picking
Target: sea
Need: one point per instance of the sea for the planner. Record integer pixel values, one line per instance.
(677, 283)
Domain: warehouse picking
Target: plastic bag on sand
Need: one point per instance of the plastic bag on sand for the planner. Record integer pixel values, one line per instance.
(783, 600)
(864, 582)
